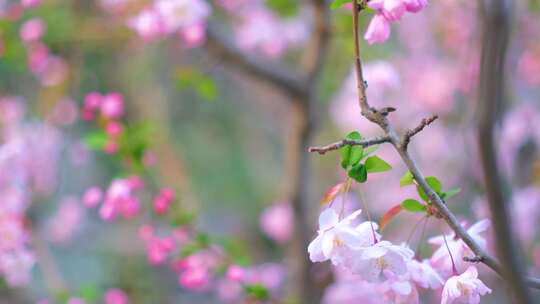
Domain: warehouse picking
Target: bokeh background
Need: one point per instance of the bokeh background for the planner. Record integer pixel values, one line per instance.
(226, 141)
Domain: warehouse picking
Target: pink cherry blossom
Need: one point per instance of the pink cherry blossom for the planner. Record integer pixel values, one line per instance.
(464, 288)
(371, 262)
(423, 274)
(147, 24)
(32, 30)
(114, 128)
(30, 3)
(378, 29)
(441, 259)
(115, 296)
(163, 200)
(92, 197)
(196, 279)
(67, 221)
(120, 199)
(333, 234)
(235, 273)
(392, 10)
(414, 6)
(112, 105)
(277, 222)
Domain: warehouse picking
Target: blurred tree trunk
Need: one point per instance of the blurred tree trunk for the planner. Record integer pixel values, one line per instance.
(496, 20)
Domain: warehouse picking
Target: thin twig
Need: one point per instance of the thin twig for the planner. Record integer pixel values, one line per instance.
(350, 142)
(409, 134)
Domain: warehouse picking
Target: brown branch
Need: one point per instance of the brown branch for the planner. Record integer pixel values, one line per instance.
(377, 117)
(496, 32)
(282, 78)
(350, 142)
(409, 134)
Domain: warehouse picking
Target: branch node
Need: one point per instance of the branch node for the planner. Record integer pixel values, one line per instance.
(474, 259)
(410, 133)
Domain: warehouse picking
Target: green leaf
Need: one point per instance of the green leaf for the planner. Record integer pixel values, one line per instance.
(376, 164)
(351, 155)
(257, 291)
(338, 3)
(434, 184)
(413, 205)
(90, 292)
(207, 89)
(406, 180)
(96, 140)
(358, 173)
(370, 150)
(450, 193)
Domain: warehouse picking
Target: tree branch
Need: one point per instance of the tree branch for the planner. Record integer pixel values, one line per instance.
(409, 134)
(280, 77)
(379, 117)
(350, 142)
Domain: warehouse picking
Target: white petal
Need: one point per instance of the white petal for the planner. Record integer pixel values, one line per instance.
(403, 287)
(373, 252)
(479, 227)
(328, 219)
(349, 236)
(315, 250)
(353, 215)
(328, 244)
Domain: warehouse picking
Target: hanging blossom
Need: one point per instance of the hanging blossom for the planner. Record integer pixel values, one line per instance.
(387, 12)
(441, 258)
(464, 288)
(335, 235)
(357, 248)
(187, 18)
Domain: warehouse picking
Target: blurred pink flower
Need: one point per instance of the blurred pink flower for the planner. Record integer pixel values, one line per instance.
(115, 296)
(195, 279)
(113, 128)
(528, 67)
(119, 199)
(163, 200)
(92, 197)
(147, 24)
(30, 3)
(112, 105)
(277, 222)
(235, 273)
(32, 30)
(378, 30)
(66, 222)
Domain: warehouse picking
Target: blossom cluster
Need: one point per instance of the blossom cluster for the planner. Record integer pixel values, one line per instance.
(160, 18)
(362, 256)
(387, 12)
(258, 28)
(48, 68)
(28, 157)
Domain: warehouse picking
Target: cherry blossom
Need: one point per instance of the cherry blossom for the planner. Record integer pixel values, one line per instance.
(333, 234)
(442, 261)
(277, 222)
(383, 257)
(464, 288)
(423, 274)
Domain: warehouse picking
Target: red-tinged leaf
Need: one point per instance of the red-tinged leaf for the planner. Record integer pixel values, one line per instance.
(389, 215)
(332, 193)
